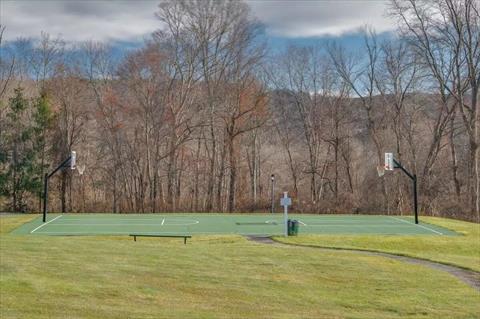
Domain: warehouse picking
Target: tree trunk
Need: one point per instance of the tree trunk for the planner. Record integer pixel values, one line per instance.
(474, 150)
(171, 182)
(474, 177)
(221, 174)
(336, 168)
(154, 191)
(211, 176)
(233, 174)
(196, 178)
(14, 178)
(114, 203)
(253, 170)
(454, 165)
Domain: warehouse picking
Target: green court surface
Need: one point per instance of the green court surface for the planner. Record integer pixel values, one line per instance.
(209, 224)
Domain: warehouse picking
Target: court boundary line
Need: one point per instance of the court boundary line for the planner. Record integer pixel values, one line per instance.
(97, 225)
(45, 224)
(165, 222)
(104, 218)
(424, 227)
(154, 233)
(353, 225)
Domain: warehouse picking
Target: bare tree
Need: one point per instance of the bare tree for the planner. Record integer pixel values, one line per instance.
(446, 35)
(245, 111)
(396, 85)
(303, 82)
(361, 74)
(145, 77)
(7, 66)
(45, 57)
(67, 93)
(98, 66)
(285, 124)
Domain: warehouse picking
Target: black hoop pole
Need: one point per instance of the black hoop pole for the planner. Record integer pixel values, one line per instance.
(45, 196)
(45, 186)
(413, 177)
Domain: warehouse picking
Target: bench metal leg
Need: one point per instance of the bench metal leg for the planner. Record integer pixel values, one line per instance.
(134, 238)
(184, 240)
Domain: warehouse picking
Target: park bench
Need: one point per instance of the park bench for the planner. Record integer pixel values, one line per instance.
(166, 236)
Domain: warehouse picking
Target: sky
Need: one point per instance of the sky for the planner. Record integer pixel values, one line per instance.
(126, 24)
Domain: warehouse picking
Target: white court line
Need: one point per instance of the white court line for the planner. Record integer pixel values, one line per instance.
(193, 222)
(424, 227)
(116, 219)
(45, 224)
(101, 225)
(159, 233)
(302, 223)
(353, 225)
(270, 221)
(163, 221)
(111, 233)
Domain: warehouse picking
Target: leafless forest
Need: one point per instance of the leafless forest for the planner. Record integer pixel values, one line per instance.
(201, 115)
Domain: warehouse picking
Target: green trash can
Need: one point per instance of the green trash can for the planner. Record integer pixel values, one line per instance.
(289, 227)
(294, 228)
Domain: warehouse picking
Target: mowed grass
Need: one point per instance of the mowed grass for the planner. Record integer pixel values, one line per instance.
(213, 277)
(463, 251)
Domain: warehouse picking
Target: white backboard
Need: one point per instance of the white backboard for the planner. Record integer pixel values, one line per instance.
(389, 162)
(73, 160)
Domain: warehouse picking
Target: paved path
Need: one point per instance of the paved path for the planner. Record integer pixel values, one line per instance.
(470, 277)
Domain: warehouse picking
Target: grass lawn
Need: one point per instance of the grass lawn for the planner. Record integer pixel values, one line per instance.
(213, 277)
(463, 251)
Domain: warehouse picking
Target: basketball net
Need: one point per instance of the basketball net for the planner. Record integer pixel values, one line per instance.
(81, 169)
(381, 170)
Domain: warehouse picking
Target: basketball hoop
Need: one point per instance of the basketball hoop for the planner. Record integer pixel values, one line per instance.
(381, 170)
(81, 169)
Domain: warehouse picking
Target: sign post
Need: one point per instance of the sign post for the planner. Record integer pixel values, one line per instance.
(285, 201)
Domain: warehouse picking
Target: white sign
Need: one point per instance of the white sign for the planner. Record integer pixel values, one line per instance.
(285, 201)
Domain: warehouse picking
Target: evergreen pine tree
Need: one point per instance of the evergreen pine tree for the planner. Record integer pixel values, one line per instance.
(42, 120)
(23, 147)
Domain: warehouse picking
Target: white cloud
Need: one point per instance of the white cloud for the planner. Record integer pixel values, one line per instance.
(290, 18)
(80, 20)
(121, 20)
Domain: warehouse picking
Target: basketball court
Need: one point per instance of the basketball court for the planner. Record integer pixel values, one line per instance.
(213, 224)
(241, 224)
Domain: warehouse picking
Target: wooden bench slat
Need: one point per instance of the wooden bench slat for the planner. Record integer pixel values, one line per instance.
(167, 236)
(173, 236)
